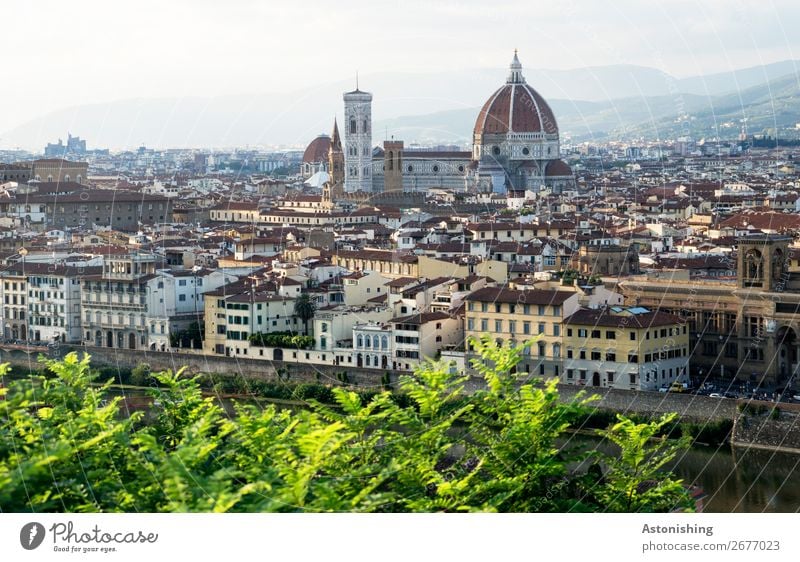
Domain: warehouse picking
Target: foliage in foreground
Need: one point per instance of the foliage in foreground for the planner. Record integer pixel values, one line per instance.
(66, 447)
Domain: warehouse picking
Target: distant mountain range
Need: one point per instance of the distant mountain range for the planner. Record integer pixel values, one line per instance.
(620, 100)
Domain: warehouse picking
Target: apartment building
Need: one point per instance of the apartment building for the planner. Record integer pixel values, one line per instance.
(519, 315)
(627, 348)
(422, 336)
(54, 300)
(234, 312)
(176, 300)
(15, 308)
(115, 304)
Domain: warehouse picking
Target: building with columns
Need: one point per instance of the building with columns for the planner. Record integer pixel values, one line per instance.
(744, 329)
(358, 141)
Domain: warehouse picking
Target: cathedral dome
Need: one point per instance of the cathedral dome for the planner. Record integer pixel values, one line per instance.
(515, 108)
(557, 168)
(317, 151)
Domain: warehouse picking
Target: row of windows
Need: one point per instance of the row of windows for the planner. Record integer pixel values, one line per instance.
(374, 342)
(513, 308)
(632, 357)
(609, 376)
(612, 334)
(512, 325)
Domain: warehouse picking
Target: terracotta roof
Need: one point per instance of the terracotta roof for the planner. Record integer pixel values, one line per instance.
(534, 296)
(317, 151)
(517, 108)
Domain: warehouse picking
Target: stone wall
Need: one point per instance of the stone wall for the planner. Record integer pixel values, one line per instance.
(778, 433)
(263, 369)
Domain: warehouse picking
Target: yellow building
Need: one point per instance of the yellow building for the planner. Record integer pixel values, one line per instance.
(519, 315)
(626, 348)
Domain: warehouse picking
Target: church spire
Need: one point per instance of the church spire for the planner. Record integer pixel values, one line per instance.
(336, 141)
(515, 71)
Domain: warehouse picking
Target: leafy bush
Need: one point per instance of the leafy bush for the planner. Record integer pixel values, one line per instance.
(281, 339)
(65, 447)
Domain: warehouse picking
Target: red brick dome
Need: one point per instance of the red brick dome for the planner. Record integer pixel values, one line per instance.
(515, 107)
(317, 151)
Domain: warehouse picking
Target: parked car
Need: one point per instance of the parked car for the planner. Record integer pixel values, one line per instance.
(715, 395)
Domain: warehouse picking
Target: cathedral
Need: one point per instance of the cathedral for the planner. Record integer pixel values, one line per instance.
(515, 147)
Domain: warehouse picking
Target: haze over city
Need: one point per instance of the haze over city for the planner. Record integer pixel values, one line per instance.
(95, 56)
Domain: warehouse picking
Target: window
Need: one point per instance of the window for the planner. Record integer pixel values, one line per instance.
(512, 326)
(633, 378)
(633, 358)
(541, 310)
(182, 298)
(611, 335)
(541, 328)
(611, 356)
(582, 354)
(582, 332)
(570, 374)
(526, 327)
(569, 354)
(595, 356)
(484, 325)
(470, 324)
(569, 332)
(610, 377)
(596, 334)
(541, 349)
(556, 330)
(633, 336)
(498, 325)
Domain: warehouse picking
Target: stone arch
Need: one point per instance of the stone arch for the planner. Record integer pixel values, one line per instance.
(777, 264)
(788, 353)
(753, 266)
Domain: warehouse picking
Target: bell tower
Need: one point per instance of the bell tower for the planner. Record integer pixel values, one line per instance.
(358, 141)
(393, 165)
(336, 163)
(761, 262)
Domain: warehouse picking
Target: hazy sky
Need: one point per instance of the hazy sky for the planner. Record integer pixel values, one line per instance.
(60, 53)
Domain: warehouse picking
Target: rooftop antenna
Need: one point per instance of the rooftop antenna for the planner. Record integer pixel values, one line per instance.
(356, 80)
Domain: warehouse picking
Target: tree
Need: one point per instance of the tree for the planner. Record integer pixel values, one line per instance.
(65, 446)
(305, 308)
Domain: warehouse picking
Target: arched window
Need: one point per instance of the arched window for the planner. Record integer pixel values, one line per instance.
(375, 341)
(384, 342)
(66, 178)
(359, 341)
(391, 160)
(367, 360)
(353, 126)
(366, 342)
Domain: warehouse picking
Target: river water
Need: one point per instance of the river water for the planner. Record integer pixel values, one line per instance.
(733, 479)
